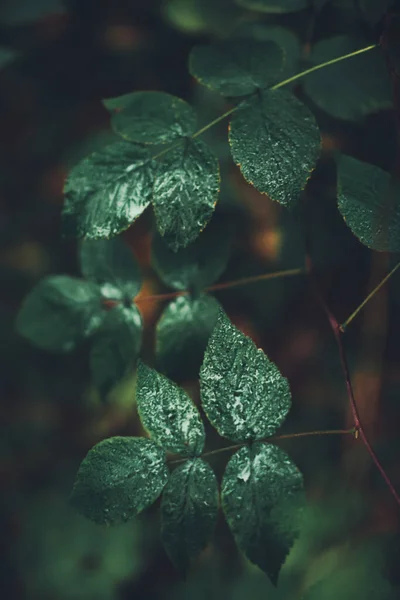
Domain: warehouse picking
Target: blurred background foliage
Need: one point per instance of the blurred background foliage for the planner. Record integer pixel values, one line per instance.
(58, 59)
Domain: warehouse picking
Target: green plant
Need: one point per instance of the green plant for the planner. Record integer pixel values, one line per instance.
(275, 140)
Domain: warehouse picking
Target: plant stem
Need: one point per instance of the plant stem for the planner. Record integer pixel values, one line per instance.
(224, 285)
(275, 438)
(275, 87)
(337, 332)
(368, 298)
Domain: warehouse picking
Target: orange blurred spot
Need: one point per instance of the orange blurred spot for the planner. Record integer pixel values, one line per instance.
(122, 37)
(53, 183)
(267, 243)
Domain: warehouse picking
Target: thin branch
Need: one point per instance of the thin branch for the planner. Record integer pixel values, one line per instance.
(359, 430)
(368, 298)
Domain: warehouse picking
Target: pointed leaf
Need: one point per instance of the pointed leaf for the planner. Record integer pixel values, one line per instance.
(185, 192)
(237, 67)
(60, 312)
(261, 492)
(198, 265)
(368, 200)
(119, 477)
(152, 117)
(115, 347)
(168, 414)
(189, 508)
(275, 140)
(183, 332)
(273, 6)
(108, 191)
(352, 88)
(242, 391)
(111, 264)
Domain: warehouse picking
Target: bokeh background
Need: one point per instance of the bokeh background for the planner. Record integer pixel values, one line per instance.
(58, 61)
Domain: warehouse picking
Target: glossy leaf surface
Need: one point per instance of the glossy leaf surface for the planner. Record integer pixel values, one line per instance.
(189, 508)
(243, 393)
(108, 191)
(261, 492)
(111, 264)
(60, 312)
(185, 192)
(115, 347)
(119, 477)
(168, 414)
(237, 68)
(369, 201)
(152, 117)
(275, 140)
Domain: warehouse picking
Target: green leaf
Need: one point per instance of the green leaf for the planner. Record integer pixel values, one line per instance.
(285, 38)
(189, 508)
(352, 88)
(243, 393)
(152, 117)
(118, 479)
(261, 493)
(60, 312)
(198, 265)
(108, 191)
(368, 200)
(115, 347)
(111, 264)
(237, 67)
(374, 11)
(275, 140)
(185, 192)
(273, 6)
(168, 414)
(183, 331)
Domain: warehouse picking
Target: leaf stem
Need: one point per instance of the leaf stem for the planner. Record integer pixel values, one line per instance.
(367, 299)
(337, 332)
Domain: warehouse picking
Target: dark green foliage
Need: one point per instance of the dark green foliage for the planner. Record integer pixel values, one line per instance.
(242, 391)
(261, 489)
(374, 11)
(236, 69)
(168, 414)
(183, 331)
(185, 192)
(152, 117)
(115, 347)
(274, 6)
(107, 191)
(120, 477)
(111, 264)
(368, 199)
(275, 140)
(60, 312)
(353, 88)
(198, 265)
(189, 508)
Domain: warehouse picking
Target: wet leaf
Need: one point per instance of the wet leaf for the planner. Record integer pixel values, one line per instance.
(185, 192)
(237, 68)
(151, 117)
(111, 264)
(183, 332)
(189, 508)
(352, 88)
(118, 479)
(108, 191)
(168, 414)
(261, 494)
(275, 140)
(60, 312)
(115, 347)
(243, 393)
(273, 6)
(368, 200)
(198, 265)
